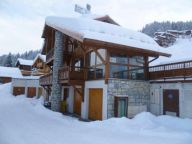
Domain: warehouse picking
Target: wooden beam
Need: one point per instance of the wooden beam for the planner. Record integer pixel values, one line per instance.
(146, 69)
(153, 59)
(79, 92)
(99, 55)
(103, 44)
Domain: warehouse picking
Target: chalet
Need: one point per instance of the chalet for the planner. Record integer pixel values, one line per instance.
(25, 66)
(99, 69)
(39, 66)
(8, 73)
(28, 84)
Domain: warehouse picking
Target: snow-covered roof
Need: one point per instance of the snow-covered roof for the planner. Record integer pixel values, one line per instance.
(92, 16)
(42, 57)
(28, 77)
(10, 72)
(24, 62)
(180, 51)
(83, 28)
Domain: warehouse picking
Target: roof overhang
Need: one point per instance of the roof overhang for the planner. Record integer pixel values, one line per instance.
(103, 44)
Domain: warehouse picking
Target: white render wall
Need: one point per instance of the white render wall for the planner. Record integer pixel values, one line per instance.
(85, 105)
(16, 82)
(185, 98)
(70, 99)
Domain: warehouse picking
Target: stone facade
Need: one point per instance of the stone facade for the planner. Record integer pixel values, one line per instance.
(58, 62)
(136, 91)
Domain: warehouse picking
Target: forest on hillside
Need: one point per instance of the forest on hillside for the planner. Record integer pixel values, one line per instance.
(151, 28)
(10, 59)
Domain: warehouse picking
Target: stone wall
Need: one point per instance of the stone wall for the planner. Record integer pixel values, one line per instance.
(137, 92)
(57, 63)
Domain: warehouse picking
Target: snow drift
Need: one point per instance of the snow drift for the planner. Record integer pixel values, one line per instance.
(26, 121)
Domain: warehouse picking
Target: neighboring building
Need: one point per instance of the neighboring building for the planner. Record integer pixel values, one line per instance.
(171, 81)
(7, 73)
(99, 70)
(169, 37)
(39, 66)
(25, 66)
(34, 67)
(27, 85)
(165, 39)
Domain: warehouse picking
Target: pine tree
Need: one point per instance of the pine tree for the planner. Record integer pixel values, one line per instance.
(8, 61)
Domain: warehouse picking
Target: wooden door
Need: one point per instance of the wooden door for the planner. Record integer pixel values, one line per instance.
(171, 102)
(77, 102)
(31, 92)
(95, 104)
(18, 91)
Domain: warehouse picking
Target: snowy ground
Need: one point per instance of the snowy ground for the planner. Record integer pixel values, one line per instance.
(26, 121)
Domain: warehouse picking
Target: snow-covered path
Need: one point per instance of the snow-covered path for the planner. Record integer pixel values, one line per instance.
(26, 121)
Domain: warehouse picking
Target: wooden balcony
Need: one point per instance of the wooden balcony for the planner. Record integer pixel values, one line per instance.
(71, 74)
(171, 71)
(46, 80)
(49, 56)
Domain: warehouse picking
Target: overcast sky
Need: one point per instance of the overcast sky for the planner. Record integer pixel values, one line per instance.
(22, 21)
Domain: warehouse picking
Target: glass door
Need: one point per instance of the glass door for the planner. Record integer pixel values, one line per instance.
(121, 106)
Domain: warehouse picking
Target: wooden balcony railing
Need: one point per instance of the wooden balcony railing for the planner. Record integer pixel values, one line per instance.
(173, 70)
(49, 56)
(71, 73)
(46, 79)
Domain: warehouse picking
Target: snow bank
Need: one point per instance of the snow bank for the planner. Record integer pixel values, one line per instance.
(10, 72)
(26, 121)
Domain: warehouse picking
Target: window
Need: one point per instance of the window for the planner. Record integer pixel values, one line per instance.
(102, 54)
(125, 67)
(118, 71)
(96, 68)
(78, 64)
(119, 58)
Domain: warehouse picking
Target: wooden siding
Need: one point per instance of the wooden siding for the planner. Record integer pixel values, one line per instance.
(172, 70)
(67, 74)
(49, 56)
(46, 80)
(5, 79)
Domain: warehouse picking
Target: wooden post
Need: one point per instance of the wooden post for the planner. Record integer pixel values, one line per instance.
(107, 65)
(146, 68)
